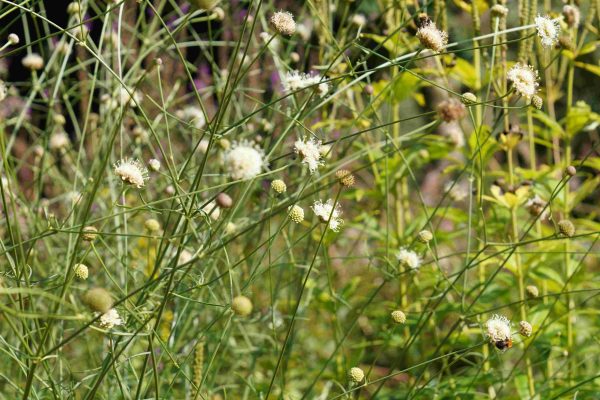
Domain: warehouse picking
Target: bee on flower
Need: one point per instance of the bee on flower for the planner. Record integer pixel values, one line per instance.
(498, 332)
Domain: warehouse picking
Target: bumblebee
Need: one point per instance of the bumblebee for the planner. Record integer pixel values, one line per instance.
(503, 344)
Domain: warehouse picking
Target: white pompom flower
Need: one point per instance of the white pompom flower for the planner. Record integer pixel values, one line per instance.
(548, 30)
(110, 319)
(524, 79)
(408, 258)
(310, 151)
(244, 160)
(498, 328)
(328, 212)
(132, 171)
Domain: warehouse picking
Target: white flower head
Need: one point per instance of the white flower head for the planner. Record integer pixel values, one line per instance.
(193, 116)
(244, 160)
(431, 37)
(408, 258)
(310, 151)
(59, 141)
(132, 172)
(127, 96)
(110, 319)
(284, 23)
(212, 210)
(33, 61)
(498, 328)
(548, 30)
(294, 81)
(524, 79)
(327, 212)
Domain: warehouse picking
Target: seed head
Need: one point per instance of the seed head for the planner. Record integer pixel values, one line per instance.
(278, 186)
(566, 228)
(81, 271)
(537, 102)
(98, 299)
(398, 317)
(284, 23)
(89, 233)
(525, 328)
(356, 375)
(451, 110)
(431, 37)
(242, 306)
(571, 170)
(296, 213)
(345, 177)
(152, 225)
(425, 236)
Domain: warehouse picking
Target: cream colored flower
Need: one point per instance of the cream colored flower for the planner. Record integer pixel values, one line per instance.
(132, 172)
(548, 30)
(327, 212)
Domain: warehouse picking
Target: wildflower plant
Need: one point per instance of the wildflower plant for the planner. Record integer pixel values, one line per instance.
(213, 199)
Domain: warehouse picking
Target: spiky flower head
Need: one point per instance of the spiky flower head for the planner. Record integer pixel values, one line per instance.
(193, 116)
(296, 213)
(81, 271)
(284, 23)
(431, 37)
(537, 102)
(566, 228)
(132, 172)
(98, 299)
(524, 79)
(110, 319)
(345, 177)
(398, 317)
(408, 258)
(244, 160)
(310, 151)
(498, 328)
(356, 374)
(278, 186)
(328, 212)
(242, 306)
(548, 30)
(525, 328)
